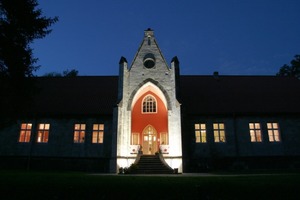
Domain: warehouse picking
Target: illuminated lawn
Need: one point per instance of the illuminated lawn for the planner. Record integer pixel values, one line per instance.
(50, 185)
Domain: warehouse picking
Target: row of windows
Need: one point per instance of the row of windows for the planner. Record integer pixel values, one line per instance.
(219, 132)
(254, 131)
(43, 131)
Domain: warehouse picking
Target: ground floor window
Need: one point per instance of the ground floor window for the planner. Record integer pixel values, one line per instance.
(200, 133)
(273, 132)
(135, 138)
(255, 132)
(98, 133)
(164, 138)
(25, 132)
(219, 132)
(43, 133)
(79, 133)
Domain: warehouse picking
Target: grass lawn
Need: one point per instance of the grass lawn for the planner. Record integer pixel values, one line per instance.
(60, 185)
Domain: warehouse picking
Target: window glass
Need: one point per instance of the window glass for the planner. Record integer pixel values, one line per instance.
(164, 138)
(79, 133)
(200, 133)
(149, 104)
(25, 132)
(135, 139)
(219, 132)
(43, 133)
(273, 132)
(255, 132)
(98, 133)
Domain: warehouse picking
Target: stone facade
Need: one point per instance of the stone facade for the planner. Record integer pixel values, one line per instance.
(60, 152)
(138, 79)
(238, 152)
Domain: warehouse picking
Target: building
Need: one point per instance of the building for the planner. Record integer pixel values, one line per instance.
(198, 123)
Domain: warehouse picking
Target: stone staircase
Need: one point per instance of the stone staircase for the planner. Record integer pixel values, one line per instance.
(150, 164)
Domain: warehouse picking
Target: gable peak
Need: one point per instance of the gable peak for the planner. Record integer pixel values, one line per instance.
(149, 32)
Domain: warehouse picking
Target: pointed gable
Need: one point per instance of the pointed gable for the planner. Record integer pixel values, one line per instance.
(149, 57)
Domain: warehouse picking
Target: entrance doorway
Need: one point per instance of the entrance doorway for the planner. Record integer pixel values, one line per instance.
(149, 140)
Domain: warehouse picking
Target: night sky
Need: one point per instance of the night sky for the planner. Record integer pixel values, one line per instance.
(234, 37)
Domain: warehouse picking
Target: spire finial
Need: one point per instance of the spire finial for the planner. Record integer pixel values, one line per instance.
(149, 32)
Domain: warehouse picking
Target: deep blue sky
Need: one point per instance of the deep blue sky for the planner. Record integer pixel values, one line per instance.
(234, 37)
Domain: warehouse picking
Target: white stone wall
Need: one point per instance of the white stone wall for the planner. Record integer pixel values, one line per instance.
(133, 79)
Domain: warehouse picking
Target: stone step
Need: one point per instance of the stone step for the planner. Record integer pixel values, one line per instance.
(150, 164)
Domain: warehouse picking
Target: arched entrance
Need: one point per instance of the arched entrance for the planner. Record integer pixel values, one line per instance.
(149, 120)
(149, 140)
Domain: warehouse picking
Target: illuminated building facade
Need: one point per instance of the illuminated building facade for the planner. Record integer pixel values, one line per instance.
(148, 109)
(197, 123)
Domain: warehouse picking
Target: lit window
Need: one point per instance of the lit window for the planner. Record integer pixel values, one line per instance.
(25, 132)
(79, 133)
(164, 138)
(200, 133)
(255, 132)
(219, 132)
(98, 133)
(43, 133)
(149, 104)
(273, 132)
(135, 140)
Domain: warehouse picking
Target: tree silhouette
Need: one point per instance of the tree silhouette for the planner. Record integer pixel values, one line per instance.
(293, 70)
(65, 73)
(21, 22)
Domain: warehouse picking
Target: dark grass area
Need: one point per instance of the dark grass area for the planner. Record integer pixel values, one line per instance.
(52, 185)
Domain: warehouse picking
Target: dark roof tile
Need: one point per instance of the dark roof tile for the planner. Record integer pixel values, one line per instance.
(199, 95)
(239, 94)
(77, 95)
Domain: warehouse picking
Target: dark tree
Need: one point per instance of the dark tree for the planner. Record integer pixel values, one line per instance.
(66, 73)
(21, 22)
(291, 70)
(71, 73)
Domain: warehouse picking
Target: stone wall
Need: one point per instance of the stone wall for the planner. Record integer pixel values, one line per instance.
(238, 150)
(60, 149)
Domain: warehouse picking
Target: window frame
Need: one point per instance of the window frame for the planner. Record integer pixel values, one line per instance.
(79, 133)
(272, 130)
(135, 135)
(200, 132)
(98, 133)
(219, 132)
(151, 106)
(255, 132)
(25, 132)
(44, 131)
(163, 138)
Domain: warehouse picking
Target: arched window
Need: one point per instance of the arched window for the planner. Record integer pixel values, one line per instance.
(149, 104)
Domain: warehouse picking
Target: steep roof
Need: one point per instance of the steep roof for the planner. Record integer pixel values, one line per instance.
(240, 94)
(200, 95)
(76, 95)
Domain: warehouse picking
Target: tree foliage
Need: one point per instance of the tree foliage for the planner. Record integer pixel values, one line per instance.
(65, 73)
(21, 22)
(292, 70)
